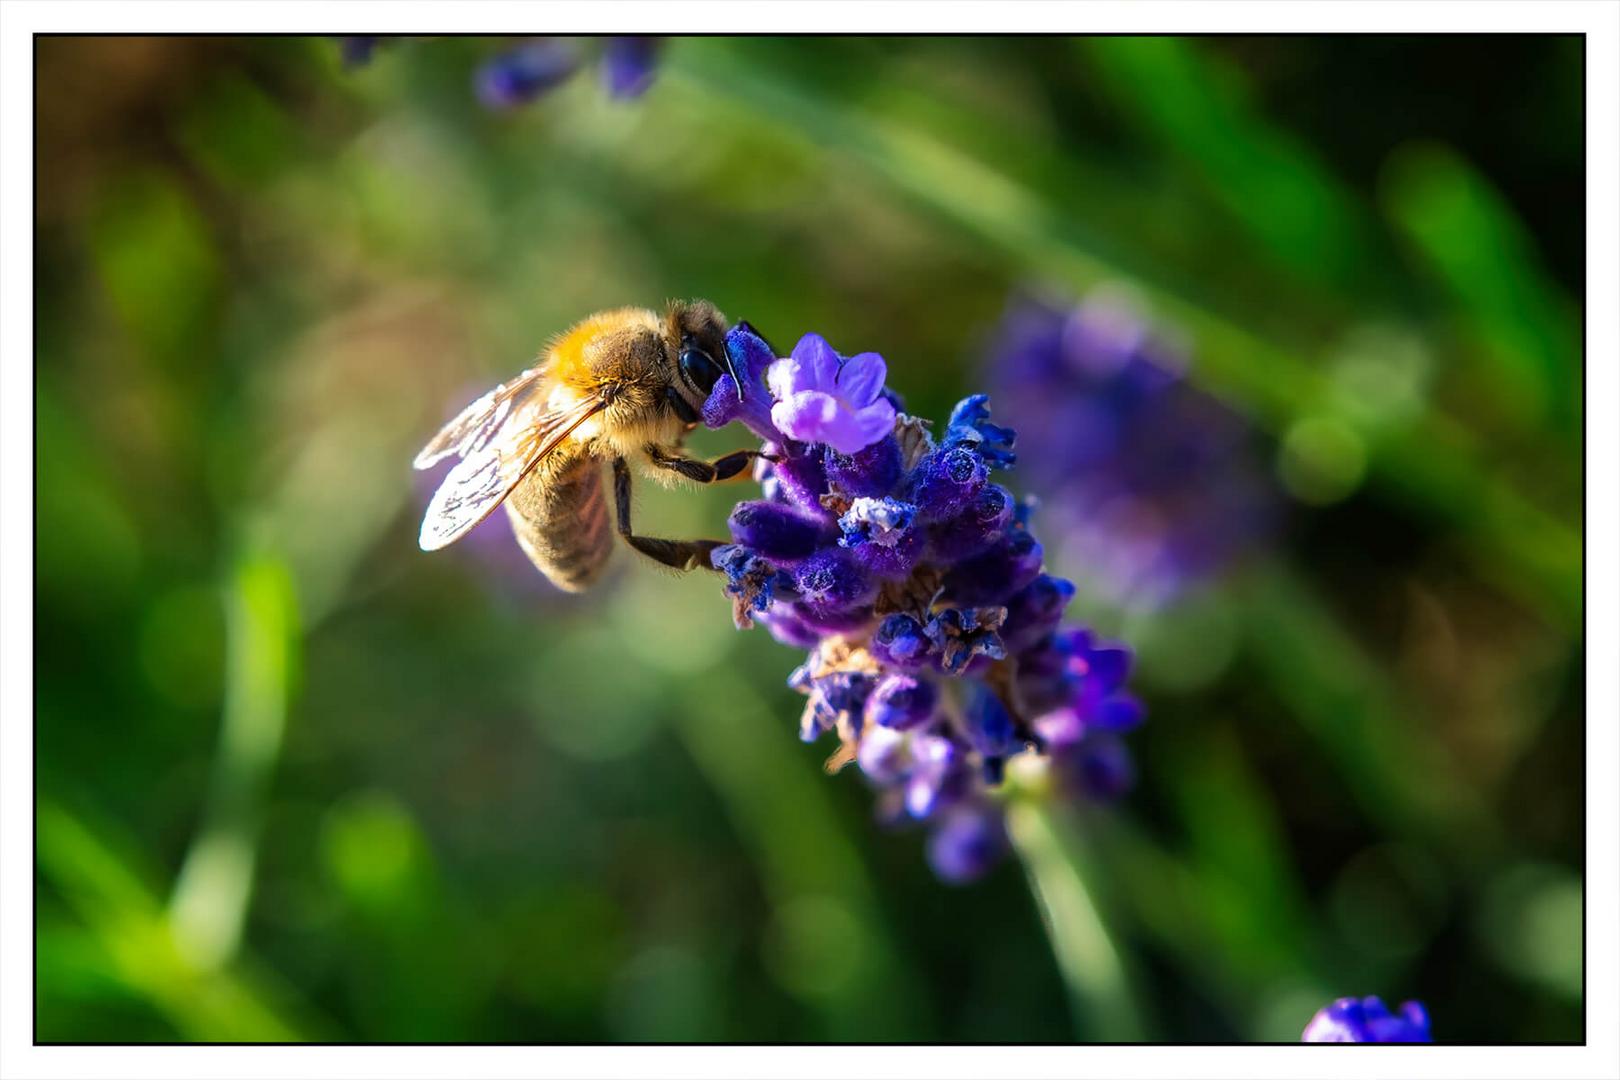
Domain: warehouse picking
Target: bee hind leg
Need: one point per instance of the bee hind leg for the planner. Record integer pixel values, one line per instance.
(704, 472)
(678, 554)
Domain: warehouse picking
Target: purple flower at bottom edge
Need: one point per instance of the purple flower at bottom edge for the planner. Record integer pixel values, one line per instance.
(823, 399)
(1368, 1020)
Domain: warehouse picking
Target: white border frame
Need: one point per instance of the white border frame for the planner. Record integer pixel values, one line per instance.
(20, 19)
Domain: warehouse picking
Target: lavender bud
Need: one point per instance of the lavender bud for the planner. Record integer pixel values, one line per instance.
(802, 481)
(973, 529)
(1035, 611)
(882, 535)
(789, 629)
(872, 471)
(891, 562)
(901, 702)
(946, 481)
(834, 620)
(750, 355)
(831, 583)
(777, 532)
(998, 573)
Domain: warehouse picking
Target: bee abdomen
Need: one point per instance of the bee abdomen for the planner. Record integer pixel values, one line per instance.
(560, 518)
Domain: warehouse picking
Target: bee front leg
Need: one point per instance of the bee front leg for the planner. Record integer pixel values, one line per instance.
(704, 472)
(680, 554)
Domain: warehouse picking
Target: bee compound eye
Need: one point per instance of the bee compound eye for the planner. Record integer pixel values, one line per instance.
(699, 368)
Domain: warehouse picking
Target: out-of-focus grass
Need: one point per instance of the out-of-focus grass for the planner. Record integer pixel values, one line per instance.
(135, 944)
(1512, 318)
(211, 893)
(1105, 1004)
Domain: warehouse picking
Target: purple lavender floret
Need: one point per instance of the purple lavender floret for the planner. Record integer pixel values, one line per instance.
(1368, 1020)
(936, 645)
(822, 397)
(1153, 484)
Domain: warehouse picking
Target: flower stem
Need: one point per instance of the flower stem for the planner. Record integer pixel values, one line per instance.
(1054, 859)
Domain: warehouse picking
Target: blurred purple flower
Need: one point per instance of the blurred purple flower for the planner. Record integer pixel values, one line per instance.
(629, 64)
(356, 49)
(536, 66)
(935, 641)
(519, 75)
(1151, 485)
(823, 398)
(1368, 1020)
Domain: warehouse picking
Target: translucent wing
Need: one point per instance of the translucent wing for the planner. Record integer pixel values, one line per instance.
(481, 419)
(498, 449)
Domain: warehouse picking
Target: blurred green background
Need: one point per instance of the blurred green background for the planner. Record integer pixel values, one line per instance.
(297, 780)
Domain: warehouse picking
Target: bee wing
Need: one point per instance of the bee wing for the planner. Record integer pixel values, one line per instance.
(493, 463)
(481, 419)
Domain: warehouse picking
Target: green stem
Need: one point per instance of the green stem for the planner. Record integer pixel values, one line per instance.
(211, 893)
(1092, 969)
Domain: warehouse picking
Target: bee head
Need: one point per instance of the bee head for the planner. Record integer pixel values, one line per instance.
(696, 339)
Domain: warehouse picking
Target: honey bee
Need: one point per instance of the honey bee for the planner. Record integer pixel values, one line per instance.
(620, 386)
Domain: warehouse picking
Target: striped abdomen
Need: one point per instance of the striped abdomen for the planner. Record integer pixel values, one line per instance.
(560, 518)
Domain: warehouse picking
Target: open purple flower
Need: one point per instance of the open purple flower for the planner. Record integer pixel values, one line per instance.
(1368, 1020)
(823, 398)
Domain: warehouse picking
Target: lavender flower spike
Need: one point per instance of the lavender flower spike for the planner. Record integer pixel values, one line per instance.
(1368, 1020)
(937, 649)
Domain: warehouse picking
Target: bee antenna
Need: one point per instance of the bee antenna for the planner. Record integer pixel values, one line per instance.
(732, 369)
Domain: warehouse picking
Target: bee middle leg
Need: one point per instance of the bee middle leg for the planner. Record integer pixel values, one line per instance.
(679, 554)
(704, 472)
